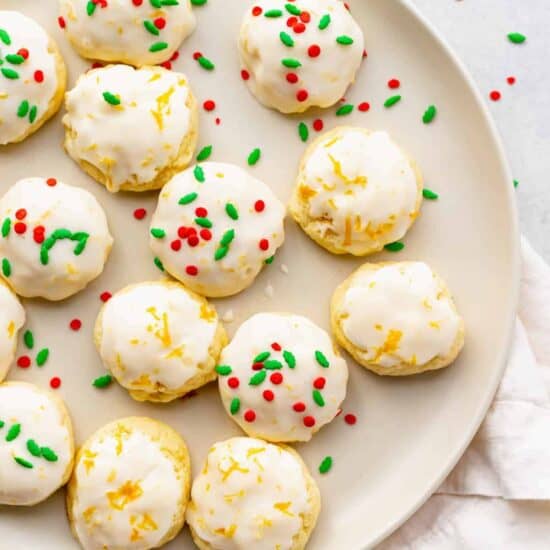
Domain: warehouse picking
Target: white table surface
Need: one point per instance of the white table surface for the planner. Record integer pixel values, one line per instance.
(476, 30)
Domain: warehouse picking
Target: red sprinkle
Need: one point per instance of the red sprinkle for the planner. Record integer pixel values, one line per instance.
(167, 65)
(292, 78)
(302, 95)
(276, 346)
(350, 419)
(193, 240)
(319, 383)
(318, 125)
(38, 234)
(61, 22)
(256, 10)
(250, 415)
(140, 213)
(209, 105)
(24, 53)
(137, 2)
(201, 212)
(183, 232)
(218, 121)
(299, 28)
(363, 107)
(257, 366)
(55, 382)
(264, 244)
(175, 245)
(160, 23)
(21, 214)
(20, 228)
(495, 95)
(105, 296)
(259, 206)
(196, 55)
(299, 407)
(268, 395)
(394, 83)
(38, 76)
(52, 182)
(314, 50)
(305, 17)
(309, 421)
(291, 21)
(97, 65)
(276, 378)
(245, 75)
(233, 382)
(511, 80)
(175, 55)
(24, 362)
(75, 324)
(205, 234)
(192, 270)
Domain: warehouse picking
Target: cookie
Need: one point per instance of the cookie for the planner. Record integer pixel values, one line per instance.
(356, 191)
(32, 77)
(12, 318)
(215, 227)
(159, 340)
(36, 444)
(131, 129)
(397, 318)
(281, 377)
(253, 494)
(137, 32)
(54, 238)
(130, 486)
(299, 55)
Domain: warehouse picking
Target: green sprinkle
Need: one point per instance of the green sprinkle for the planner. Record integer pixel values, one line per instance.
(324, 22)
(158, 263)
(204, 153)
(286, 39)
(391, 101)
(394, 247)
(291, 63)
(231, 211)
(517, 38)
(273, 13)
(204, 222)
(227, 237)
(273, 364)
(48, 454)
(2, 423)
(321, 359)
(344, 40)
(158, 233)
(33, 447)
(6, 267)
(345, 110)
(221, 253)
(235, 405)
(429, 194)
(32, 113)
(23, 462)
(254, 157)
(49, 243)
(158, 47)
(150, 26)
(198, 172)
(429, 114)
(28, 339)
(198, 2)
(269, 260)
(516, 183)
(289, 358)
(292, 9)
(303, 131)
(176, 3)
(326, 465)
(90, 8)
(13, 432)
(318, 398)
(111, 98)
(155, 3)
(6, 227)
(42, 357)
(61, 233)
(14, 58)
(261, 357)
(5, 37)
(188, 199)
(205, 63)
(82, 239)
(224, 370)
(10, 73)
(103, 381)
(258, 378)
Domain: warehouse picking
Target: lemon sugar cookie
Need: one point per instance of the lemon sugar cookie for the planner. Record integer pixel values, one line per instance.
(12, 318)
(397, 318)
(253, 494)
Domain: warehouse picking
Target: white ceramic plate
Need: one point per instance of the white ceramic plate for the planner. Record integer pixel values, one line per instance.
(410, 432)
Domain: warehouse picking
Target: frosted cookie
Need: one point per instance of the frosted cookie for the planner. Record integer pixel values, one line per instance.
(281, 377)
(159, 340)
(356, 191)
(397, 318)
(54, 238)
(214, 228)
(301, 54)
(32, 77)
(36, 444)
(131, 129)
(12, 318)
(137, 32)
(253, 494)
(130, 486)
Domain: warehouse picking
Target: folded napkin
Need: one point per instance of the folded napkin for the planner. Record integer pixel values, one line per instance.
(498, 495)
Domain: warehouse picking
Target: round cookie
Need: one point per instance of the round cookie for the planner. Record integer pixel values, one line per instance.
(356, 191)
(281, 377)
(137, 32)
(130, 486)
(253, 494)
(299, 55)
(32, 77)
(36, 444)
(131, 129)
(215, 227)
(54, 238)
(159, 340)
(397, 318)
(12, 318)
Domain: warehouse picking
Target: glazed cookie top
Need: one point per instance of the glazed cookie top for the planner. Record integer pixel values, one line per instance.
(127, 489)
(399, 313)
(300, 54)
(28, 75)
(128, 123)
(215, 226)
(137, 32)
(280, 378)
(250, 494)
(358, 189)
(157, 336)
(36, 444)
(54, 238)
(12, 318)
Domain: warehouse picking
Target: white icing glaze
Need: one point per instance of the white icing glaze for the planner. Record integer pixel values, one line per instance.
(12, 318)
(223, 184)
(156, 337)
(69, 268)
(131, 142)
(360, 189)
(117, 31)
(325, 77)
(23, 32)
(249, 494)
(127, 491)
(276, 419)
(43, 420)
(398, 313)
